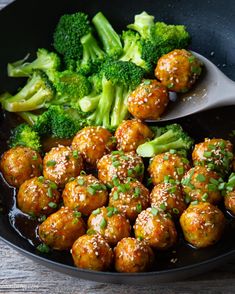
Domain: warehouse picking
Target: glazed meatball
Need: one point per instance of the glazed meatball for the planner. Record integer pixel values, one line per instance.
(38, 196)
(60, 230)
(178, 70)
(92, 252)
(19, 164)
(167, 165)
(202, 184)
(169, 198)
(85, 193)
(156, 228)
(93, 142)
(216, 154)
(132, 133)
(130, 198)
(62, 163)
(110, 224)
(148, 101)
(202, 224)
(117, 166)
(132, 256)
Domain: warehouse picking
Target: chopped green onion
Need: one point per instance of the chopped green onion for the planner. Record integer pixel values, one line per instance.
(175, 210)
(91, 190)
(96, 211)
(154, 211)
(43, 248)
(52, 204)
(163, 206)
(139, 207)
(200, 178)
(75, 154)
(205, 197)
(51, 163)
(115, 195)
(103, 223)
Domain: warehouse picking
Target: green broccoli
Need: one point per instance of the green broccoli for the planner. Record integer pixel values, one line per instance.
(144, 25)
(70, 87)
(45, 61)
(109, 38)
(67, 35)
(92, 55)
(170, 137)
(158, 38)
(34, 95)
(24, 135)
(57, 121)
(118, 78)
(133, 51)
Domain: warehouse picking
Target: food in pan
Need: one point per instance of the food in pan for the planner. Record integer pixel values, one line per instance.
(116, 190)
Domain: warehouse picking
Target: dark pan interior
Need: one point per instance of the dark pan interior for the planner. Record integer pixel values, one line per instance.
(27, 25)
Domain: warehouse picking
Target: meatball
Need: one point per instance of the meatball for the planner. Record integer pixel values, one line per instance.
(229, 201)
(19, 164)
(62, 228)
(132, 133)
(169, 198)
(92, 252)
(202, 224)
(38, 196)
(156, 228)
(117, 166)
(201, 184)
(85, 193)
(62, 163)
(178, 70)
(167, 165)
(148, 101)
(130, 198)
(216, 154)
(93, 142)
(110, 224)
(132, 256)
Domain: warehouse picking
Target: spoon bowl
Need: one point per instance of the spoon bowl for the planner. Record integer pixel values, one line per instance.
(212, 90)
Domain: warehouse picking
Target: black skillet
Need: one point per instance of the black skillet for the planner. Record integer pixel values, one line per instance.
(27, 25)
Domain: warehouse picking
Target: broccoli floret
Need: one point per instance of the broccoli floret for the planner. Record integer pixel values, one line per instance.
(24, 135)
(45, 61)
(109, 38)
(158, 38)
(34, 95)
(92, 56)
(170, 37)
(118, 79)
(69, 30)
(70, 87)
(133, 51)
(143, 24)
(168, 138)
(57, 121)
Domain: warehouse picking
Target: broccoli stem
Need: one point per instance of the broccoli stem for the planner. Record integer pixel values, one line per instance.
(33, 95)
(91, 49)
(29, 117)
(110, 39)
(151, 148)
(120, 110)
(34, 101)
(102, 114)
(88, 103)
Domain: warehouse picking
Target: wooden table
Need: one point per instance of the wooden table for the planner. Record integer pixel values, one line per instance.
(18, 274)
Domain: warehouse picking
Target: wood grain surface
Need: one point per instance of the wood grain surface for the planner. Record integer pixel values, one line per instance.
(18, 274)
